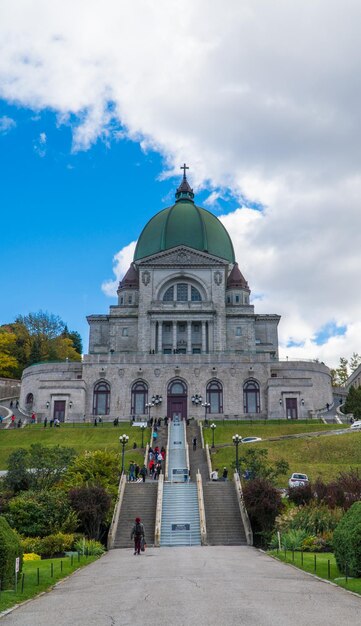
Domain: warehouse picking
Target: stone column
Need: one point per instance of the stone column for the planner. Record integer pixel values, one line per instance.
(211, 336)
(189, 337)
(174, 335)
(152, 335)
(204, 338)
(160, 337)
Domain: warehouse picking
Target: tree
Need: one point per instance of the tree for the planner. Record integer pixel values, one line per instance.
(48, 465)
(38, 468)
(42, 324)
(353, 402)
(91, 505)
(37, 514)
(355, 361)
(340, 374)
(254, 464)
(100, 467)
(8, 362)
(264, 503)
(35, 338)
(347, 541)
(17, 478)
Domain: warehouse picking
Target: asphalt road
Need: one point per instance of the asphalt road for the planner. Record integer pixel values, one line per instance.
(209, 586)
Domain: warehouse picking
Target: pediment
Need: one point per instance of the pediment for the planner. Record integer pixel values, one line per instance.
(181, 256)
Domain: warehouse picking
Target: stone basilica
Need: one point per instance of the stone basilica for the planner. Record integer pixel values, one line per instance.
(183, 338)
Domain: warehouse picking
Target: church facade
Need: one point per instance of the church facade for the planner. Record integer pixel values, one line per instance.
(183, 339)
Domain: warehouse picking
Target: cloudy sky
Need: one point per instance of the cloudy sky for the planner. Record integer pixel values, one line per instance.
(102, 102)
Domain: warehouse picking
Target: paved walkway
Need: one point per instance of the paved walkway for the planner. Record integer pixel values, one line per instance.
(211, 586)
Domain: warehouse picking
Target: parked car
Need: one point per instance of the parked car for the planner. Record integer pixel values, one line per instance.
(356, 425)
(251, 439)
(298, 480)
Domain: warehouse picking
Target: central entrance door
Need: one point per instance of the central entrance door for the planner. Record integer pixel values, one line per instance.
(177, 399)
(59, 410)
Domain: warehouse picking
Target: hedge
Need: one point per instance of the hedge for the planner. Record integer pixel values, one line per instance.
(347, 542)
(10, 549)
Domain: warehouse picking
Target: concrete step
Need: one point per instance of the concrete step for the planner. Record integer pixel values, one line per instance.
(223, 517)
(139, 501)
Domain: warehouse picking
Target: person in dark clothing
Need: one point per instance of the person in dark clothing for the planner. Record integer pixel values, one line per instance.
(138, 535)
(143, 472)
(194, 443)
(225, 473)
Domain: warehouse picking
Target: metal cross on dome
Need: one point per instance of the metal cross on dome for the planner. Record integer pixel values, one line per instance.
(184, 167)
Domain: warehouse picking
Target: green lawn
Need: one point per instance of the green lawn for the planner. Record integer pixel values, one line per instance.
(31, 583)
(323, 456)
(321, 564)
(81, 437)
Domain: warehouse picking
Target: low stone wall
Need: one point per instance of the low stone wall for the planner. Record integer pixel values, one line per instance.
(9, 388)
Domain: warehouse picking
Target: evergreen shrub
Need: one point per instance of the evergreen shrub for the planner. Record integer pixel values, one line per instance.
(347, 541)
(10, 549)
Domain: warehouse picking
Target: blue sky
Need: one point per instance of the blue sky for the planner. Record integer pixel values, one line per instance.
(65, 214)
(100, 104)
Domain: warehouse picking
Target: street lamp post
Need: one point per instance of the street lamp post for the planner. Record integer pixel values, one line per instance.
(213, 427)
(143, 427)
(196, 399)
(206, 406)
(156, 400)
(237, 440)
(123, 440)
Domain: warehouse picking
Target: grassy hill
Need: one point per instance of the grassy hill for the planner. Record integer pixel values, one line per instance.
(323, 456)
(81, 437)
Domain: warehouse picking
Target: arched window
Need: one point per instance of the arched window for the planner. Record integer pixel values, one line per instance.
(101, 398)
(251, 398)
(139, 398)
(182, 292)
(215, 397)
(177, 388)
(29, 399)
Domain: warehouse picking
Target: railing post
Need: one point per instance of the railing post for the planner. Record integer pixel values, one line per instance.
(202, 513)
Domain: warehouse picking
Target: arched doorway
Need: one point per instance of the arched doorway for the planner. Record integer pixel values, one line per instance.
(177, 399)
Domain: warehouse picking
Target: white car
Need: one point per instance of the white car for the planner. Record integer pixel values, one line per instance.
(298, 480)
(251, 439)
(356, 425)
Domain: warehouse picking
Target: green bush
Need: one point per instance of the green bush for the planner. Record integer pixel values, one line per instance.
(89, 547)
(38, 514)
(312, 518)
(293, 539)
(263, 503)
(10, 549)
(50, 545)
(347, 541)
(320, 543)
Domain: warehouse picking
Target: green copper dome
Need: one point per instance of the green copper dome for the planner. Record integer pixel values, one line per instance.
(186, 224)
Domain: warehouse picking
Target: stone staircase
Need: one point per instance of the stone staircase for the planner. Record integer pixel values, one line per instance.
(197, 458)
(180, 515)
(223, 517)
(139, 500)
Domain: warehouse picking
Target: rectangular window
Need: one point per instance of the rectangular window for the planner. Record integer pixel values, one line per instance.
(139, 404)
(238, 331)
(196, 328)
(228, 299)
(196, 350)
(182, 292)
(237, 298)
(167, 328)
(124, 332)
(182, 328)
(129, 299)
(167, 351)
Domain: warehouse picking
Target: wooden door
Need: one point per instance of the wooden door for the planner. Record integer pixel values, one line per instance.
(59, 410)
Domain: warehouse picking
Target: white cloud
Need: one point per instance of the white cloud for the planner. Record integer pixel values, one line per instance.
(262, 98)
(121, 263)
(40, 145)
(6, 124)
